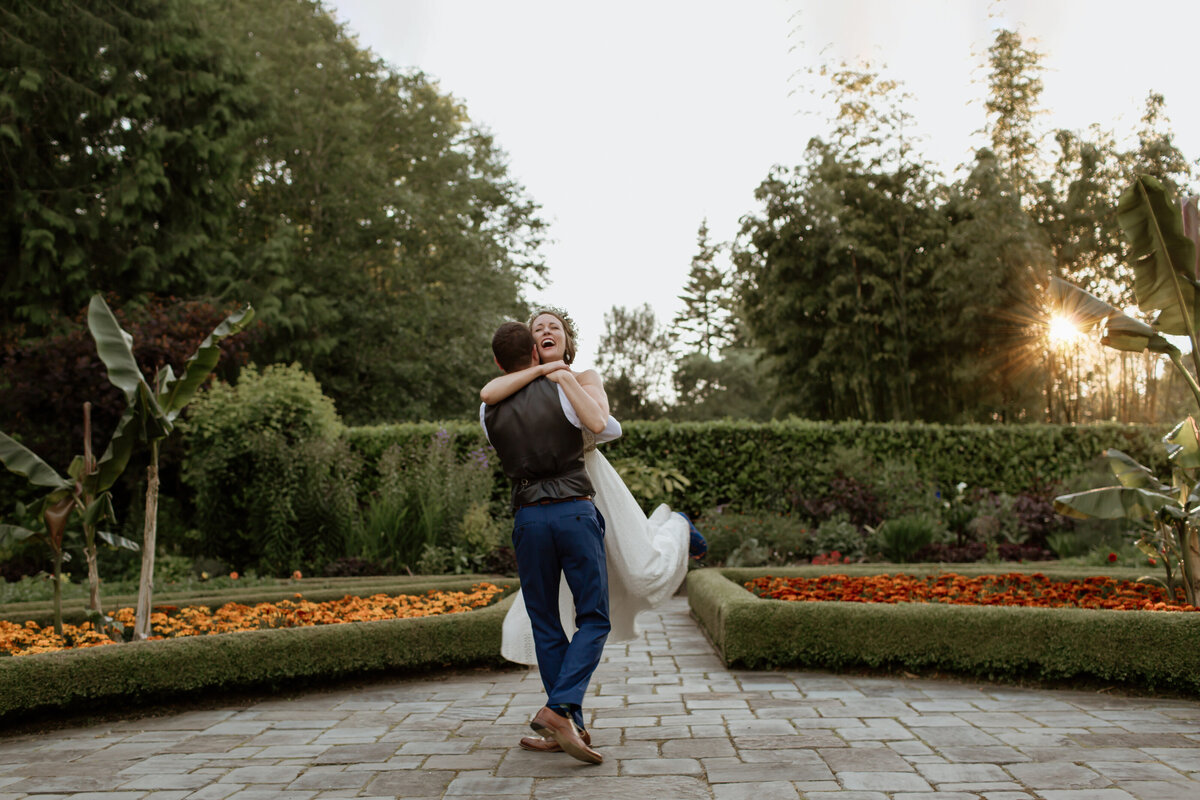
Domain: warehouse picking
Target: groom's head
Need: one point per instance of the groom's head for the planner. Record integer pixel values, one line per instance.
(513, 347)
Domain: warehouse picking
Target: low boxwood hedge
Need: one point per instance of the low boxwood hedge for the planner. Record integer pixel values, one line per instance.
(1157, 651)
(139, 673)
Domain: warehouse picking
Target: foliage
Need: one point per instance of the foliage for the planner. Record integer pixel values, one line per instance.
(759, 467)
(754, 539)
(651, 484)
(431, 510)
(735, 387)
(259, 455)
(375, 212)
(634, 356)
(1163, 257)
(223, 148)
(899, 539)
(123, 127)
(45, 381)
(706, 322)
(838, 534)
(1014, 86)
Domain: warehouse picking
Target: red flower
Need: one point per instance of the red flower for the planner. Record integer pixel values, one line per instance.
(1112, 558)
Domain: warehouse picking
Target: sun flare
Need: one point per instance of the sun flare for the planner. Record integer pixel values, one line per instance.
(1061, 330)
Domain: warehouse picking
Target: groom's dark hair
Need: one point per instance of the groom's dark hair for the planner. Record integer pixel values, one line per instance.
(512, 345)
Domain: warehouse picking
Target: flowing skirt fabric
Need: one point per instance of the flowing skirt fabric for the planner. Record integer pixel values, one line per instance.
(647, 560)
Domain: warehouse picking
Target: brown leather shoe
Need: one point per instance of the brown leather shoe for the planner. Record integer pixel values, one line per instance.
(539, 745)
(549, 724)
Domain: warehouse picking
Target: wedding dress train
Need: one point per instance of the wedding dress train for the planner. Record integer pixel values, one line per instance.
(647, 560)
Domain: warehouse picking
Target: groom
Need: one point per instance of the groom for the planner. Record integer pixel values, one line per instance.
(556, 530)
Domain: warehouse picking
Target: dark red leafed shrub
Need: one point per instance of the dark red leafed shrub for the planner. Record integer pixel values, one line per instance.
(45, 382)
(848, 496)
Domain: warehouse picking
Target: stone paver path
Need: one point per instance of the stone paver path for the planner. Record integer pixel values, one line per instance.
(672, 722)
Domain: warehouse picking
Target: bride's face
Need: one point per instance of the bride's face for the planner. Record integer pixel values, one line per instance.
(550, 337)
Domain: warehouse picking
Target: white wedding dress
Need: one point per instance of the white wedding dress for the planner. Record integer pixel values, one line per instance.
(647, 560)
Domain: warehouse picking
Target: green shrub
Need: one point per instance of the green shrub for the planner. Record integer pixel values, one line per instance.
(429, 499)
(274, 484)
(839, 535)
(752, 539)
(899, 539)
(768, 467)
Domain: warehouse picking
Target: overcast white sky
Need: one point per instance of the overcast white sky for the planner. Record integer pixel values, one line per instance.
(630, 121)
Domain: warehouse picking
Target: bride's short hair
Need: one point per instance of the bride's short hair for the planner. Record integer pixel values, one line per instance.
(568, 326)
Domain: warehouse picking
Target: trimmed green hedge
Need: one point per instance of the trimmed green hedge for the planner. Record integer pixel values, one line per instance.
(1142, 649)
(146, 672)
(756, 466)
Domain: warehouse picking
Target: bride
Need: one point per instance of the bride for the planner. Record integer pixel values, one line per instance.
(647, 557)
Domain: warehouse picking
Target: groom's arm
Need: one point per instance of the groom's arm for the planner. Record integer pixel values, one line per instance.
(590, 414)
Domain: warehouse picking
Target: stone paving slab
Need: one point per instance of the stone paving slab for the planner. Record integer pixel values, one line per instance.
(672, 722)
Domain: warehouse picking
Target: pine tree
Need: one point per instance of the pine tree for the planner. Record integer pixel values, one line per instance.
(706, 321)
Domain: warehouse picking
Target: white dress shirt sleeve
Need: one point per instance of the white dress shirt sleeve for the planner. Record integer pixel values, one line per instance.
(612, 428)
(482, 424)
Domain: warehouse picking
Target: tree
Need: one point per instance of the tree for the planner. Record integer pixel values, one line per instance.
(381, 236)
(122, 128)
(1014, 88)
(705, 322)
(150, 416)
(634, 357)
(736, 387)
(838, 273)
(990, 273)
(1157, 153)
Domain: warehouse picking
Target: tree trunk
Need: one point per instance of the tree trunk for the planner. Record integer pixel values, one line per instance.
(1190, 547)
(89, 531)
(141, 626)
(58, 559)
(93, 573)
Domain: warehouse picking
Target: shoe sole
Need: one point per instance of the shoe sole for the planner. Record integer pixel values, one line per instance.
(567, 746)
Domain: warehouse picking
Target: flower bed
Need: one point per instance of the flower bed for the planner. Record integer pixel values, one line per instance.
(1011, 589)
(990, 641)
(173, 621)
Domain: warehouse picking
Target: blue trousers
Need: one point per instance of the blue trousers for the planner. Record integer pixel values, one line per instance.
(566, 538)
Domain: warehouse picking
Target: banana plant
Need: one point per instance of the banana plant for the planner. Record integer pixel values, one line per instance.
(1163, 244)
(1172, 510)
(67, 495)
(149, 417)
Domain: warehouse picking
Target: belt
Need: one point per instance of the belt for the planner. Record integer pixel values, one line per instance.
(552, 500)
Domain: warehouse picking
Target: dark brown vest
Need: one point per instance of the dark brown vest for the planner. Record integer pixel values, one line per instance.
(540, 450)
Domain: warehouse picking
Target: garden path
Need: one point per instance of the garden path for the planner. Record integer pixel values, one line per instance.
(672, 722)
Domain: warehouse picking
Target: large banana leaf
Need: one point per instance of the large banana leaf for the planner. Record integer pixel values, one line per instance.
(1162, 256)
(14, 533)
(1132, 474)
(116, 455)
(24, 462)
(115, 347)
(179, 392)
(1183, 444)
(1117, 330)
(1113, 502)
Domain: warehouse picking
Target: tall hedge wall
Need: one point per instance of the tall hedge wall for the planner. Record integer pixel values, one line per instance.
(759, 465)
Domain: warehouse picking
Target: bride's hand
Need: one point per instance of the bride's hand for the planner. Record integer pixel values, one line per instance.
(550, 368)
